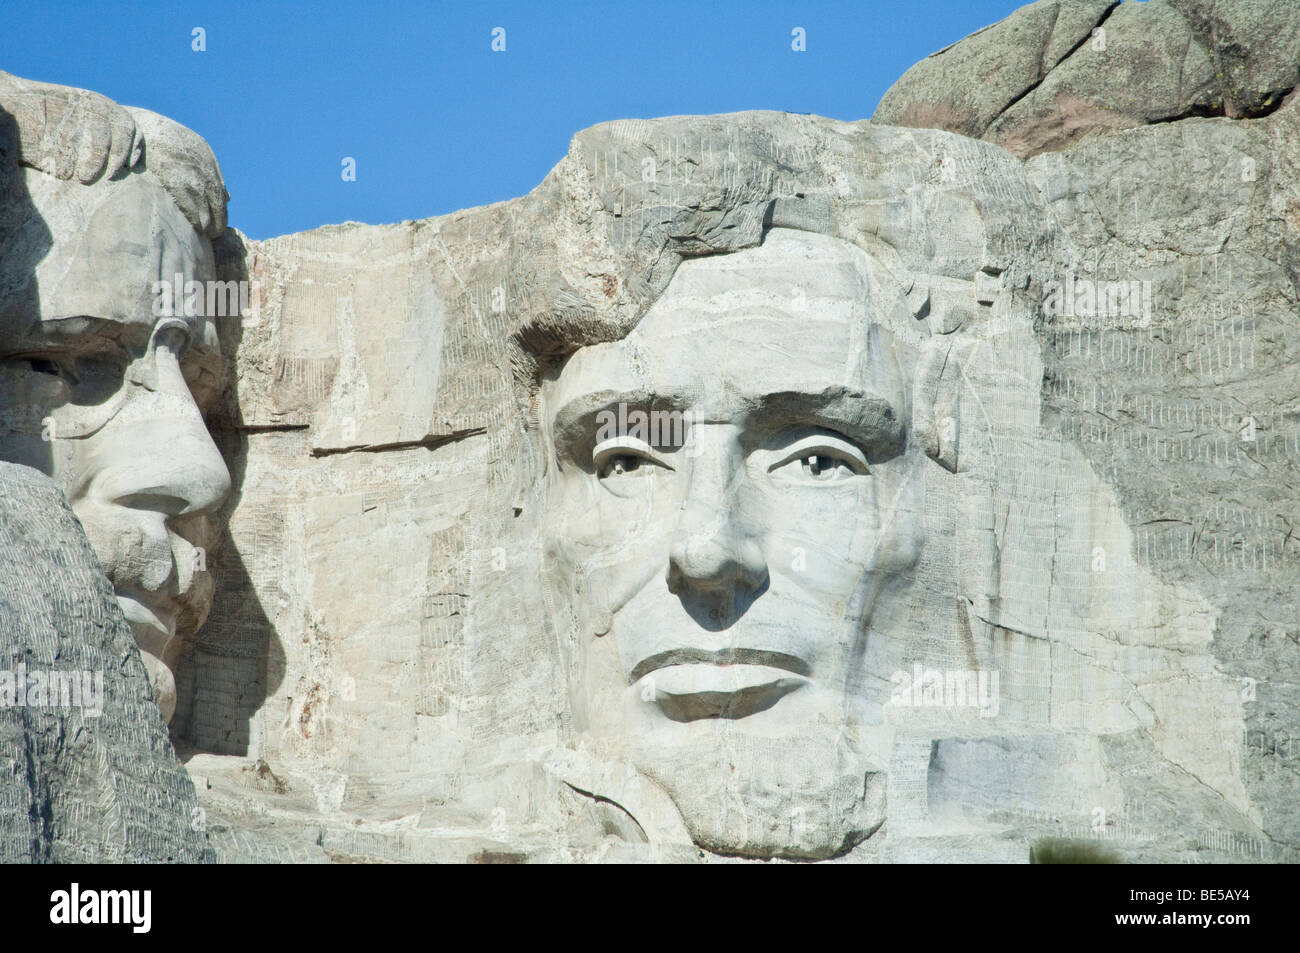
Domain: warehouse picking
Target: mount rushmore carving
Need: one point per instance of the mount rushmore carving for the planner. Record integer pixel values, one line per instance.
(758, 486)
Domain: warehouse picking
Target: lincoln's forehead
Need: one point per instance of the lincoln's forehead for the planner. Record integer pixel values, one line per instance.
(797, 314)
(816, 265)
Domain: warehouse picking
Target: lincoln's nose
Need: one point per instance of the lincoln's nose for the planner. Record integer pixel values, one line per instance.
(712, 551)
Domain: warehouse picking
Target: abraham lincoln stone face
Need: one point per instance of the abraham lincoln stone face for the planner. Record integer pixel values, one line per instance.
(104, 395)
(721, 598)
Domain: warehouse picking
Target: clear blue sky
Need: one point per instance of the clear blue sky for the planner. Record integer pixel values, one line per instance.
(437, 121)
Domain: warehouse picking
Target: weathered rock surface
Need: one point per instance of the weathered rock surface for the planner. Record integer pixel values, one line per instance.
(1086, 543)
(96, 782)
(1056, 70)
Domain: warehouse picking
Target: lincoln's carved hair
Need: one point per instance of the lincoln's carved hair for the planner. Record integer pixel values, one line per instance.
(566, 319)
(551, 335)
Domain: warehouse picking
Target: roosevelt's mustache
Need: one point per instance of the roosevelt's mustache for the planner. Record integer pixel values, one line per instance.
(160, 568)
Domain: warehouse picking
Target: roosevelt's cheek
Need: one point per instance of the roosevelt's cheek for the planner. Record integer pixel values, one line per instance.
(133, 546)
(111, 544)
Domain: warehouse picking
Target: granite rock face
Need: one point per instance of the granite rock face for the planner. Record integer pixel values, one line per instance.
(1077, 538)
(956, 524)
(1057, 70)
(94, 781)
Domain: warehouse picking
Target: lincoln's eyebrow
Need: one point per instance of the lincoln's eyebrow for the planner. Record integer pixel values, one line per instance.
(575, 417)
(868, 419)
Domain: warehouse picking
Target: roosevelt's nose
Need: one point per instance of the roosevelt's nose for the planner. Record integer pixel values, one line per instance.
(174, 466)
(713, 551)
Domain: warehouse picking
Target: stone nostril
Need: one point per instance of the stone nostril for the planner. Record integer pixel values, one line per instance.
(159, 501)
(722, 562)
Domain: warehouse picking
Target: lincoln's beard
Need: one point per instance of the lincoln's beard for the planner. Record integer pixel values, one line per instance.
(795, 790)
(804, 778)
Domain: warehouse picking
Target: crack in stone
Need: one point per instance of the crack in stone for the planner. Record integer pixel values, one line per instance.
(1044, 74)
(429, 443)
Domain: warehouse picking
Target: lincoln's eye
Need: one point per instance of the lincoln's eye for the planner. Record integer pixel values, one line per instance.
(617, 459)
(620, 464)
(44, 365)
(820, 458)
(821, 467)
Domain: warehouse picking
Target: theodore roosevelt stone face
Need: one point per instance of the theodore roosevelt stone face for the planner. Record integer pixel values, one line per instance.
(721, 598)
(104, 395)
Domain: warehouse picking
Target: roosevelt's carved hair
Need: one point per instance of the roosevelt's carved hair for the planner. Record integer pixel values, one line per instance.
(77, 135)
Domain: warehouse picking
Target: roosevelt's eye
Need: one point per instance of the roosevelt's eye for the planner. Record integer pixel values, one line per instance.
(44, 365)
(821, 458)
(624, 456)
(56, 366)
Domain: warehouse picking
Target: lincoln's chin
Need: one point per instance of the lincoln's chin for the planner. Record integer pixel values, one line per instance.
(800, 793)
(764, 785)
